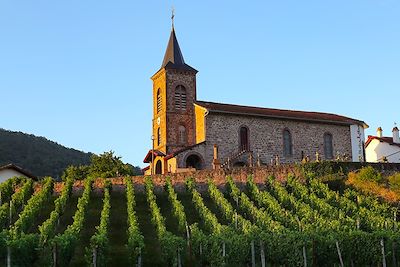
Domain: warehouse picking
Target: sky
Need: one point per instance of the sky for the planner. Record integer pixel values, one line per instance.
(78, 72)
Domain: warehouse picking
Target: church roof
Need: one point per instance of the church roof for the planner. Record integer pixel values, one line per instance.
(279, 113)
(155, 153)
(174, 154)
(173, 58)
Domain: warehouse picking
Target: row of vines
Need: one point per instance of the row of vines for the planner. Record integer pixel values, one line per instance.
(247, 224)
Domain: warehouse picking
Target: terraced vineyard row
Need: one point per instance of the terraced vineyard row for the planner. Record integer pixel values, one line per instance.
(292, 224)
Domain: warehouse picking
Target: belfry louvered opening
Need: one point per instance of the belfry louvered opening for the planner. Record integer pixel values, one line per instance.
(180, 98)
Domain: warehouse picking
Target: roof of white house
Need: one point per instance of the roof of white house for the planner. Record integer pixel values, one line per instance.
(388, 140)
(18, 169)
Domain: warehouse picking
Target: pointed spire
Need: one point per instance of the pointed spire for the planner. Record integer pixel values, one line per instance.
(173, 58)
(173, 53)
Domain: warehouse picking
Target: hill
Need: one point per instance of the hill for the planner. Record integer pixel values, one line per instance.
(38, 155)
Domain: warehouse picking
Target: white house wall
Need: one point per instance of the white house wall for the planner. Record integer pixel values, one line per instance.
(8, 173)
(376, 150)
(357, 142)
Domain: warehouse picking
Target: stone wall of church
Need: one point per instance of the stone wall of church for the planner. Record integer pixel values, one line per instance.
(266, 138)
(176, 118)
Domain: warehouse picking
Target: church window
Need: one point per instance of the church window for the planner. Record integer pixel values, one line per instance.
(182, 134)
(287, 143)
(328, 146)
(180, 97)
(158, 136)
(244, 138)
(158, 101)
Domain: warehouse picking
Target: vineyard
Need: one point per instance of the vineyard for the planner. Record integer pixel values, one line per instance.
(294, 223)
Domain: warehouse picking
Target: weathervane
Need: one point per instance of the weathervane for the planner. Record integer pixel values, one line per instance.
(172, 15)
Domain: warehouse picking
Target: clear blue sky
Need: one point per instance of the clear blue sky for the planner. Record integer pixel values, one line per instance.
(78, 72)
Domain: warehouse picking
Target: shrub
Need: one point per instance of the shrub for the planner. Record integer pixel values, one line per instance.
(369, 174)
(394, 182)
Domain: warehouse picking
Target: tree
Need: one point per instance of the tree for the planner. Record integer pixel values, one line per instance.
(105, 165)
(108, 165)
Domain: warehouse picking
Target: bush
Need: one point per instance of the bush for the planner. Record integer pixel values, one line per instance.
(394, 182)
(369, 174)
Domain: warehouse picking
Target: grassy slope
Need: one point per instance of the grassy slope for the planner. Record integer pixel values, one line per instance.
(118, 227)
(44, 214)
(152, 253)
(91, 221)
(118, 224)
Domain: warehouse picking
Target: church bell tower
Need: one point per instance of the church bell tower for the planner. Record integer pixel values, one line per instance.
(174, 93)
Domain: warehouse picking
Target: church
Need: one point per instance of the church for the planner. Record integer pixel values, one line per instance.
(189, 134)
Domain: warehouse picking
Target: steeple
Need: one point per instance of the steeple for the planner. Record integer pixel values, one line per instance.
(173, 53)
(173, 58)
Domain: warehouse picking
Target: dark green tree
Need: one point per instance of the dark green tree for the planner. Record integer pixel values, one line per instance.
(108, 165)
(105, 165)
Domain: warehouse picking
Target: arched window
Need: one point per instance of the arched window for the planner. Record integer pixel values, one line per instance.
(328, 146)
(287, 143)
(180, 97)
(158, 136)
(182, 134)
(158, 101)
(244, 138)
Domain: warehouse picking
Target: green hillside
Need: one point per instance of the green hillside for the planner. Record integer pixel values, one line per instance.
(43, 157)
(38, 155)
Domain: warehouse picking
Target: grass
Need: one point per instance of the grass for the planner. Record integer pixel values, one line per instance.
(152, 251)
(118, 226)
(44, 214)
(91, 221)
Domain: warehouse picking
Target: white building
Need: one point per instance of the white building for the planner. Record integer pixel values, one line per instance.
(383, 149)
(11, 170)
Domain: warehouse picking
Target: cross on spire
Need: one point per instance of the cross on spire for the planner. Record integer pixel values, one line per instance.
(172, 15)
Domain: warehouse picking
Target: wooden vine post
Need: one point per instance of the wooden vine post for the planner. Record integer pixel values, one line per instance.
(253, 254)
(139, 260)
(10, 221)
(8, 247)
(8, 256)
(55, 255)
(179, 257)
(340, 254)
(394, 247)
(189, 244)
(223, 251)
(383, 253)
(94, 257)
(304, 256)
(262, 254)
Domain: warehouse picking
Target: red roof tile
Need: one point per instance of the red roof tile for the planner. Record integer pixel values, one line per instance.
(280, 113)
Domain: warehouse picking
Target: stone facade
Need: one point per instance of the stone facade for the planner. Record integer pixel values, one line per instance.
(169, 119)
(209, 124)
(176, 118)
(266, 138)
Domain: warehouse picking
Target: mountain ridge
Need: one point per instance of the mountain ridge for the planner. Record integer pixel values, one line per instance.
(38, 155)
